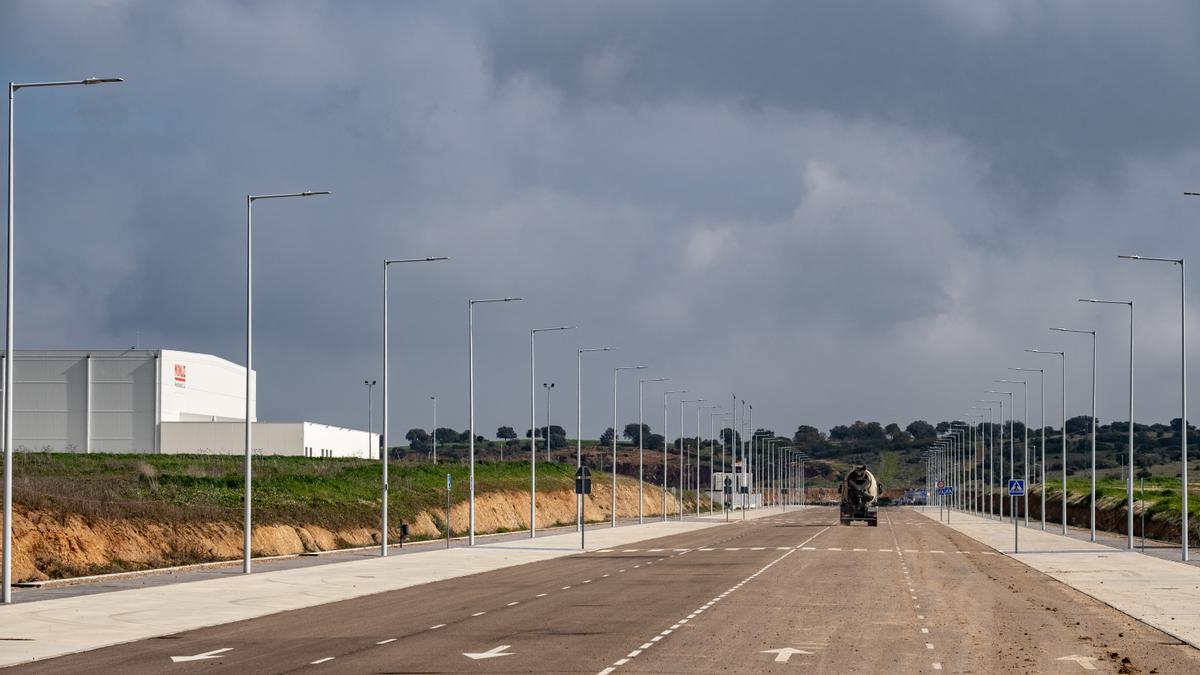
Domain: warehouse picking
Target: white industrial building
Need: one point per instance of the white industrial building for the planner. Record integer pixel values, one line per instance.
(154, 401)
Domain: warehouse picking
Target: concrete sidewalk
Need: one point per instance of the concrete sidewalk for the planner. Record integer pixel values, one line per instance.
(41, 630)
(1161, 593)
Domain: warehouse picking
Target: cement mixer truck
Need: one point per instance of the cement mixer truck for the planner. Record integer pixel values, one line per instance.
(860, 497)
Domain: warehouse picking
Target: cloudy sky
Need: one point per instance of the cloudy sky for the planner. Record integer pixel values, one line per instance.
(835, 210)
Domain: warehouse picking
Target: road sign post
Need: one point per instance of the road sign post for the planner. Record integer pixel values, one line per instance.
(1016, 488)
(728, 497)
(583, 487)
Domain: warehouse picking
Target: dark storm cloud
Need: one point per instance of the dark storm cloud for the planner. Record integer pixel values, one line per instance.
(836, 210)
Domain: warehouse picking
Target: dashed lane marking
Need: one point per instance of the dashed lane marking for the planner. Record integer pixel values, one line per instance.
(320, 661)
(384, 642)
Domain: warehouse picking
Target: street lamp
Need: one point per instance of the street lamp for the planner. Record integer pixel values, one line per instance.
(698, 409)
(616, 370)
(579, 421)
(370, 412)
(664, 448)
(471, 400)
(988, 476)
(1093, 498)
(1183, 448)
(1024, 444)
(1063, 356)
(533, 426)
(1042, 423)
(246, 516)
(712, 454)
(1129, 478)
(383, 453)
(642, 443)
(434, 434)
(992, 510)
(547, 387)
(683, 450)
(1011, 450)
(6, 593)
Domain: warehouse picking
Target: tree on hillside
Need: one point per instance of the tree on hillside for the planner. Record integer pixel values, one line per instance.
(806, 437)
(631, 432)
(418, 439)
(606, 438)
(1081, 424)
(506, 433)
(446, 435)
(730, 437)
(655, 442)
(943, 427)
(921, 429)
(840, 432)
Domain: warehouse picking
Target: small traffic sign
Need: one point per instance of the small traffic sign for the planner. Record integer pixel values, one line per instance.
(1016, 487)
(447, 481)
(945, 490)
(941, 484)
(583, 481)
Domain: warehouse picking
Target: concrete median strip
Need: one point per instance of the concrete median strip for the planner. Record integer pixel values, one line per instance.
(1160, 593)
(45, 629)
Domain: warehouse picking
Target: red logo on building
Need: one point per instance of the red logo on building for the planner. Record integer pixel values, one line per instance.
(180, 373)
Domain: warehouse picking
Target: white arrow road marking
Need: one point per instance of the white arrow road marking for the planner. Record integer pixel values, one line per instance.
(784, 653)
(200, 657)
(489, 654)
(1084, 662)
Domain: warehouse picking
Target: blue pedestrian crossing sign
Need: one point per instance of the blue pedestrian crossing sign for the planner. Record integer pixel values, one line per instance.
(945, 490)
(1016, 487)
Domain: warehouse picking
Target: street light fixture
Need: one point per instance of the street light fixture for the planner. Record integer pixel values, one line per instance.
(1041, 423)
(1011, 450)
(1129, 478)
(434, 434)
(986, 476)
(1063, 356)
(370, 413)
(471, 400)
(642, 444)
(6, 573)
(246, 515)
(1024, 444)
(548, 387)
(682, 451)
(1093, 496)
(383, 452)
(616, 370)
(698, 409)
(533, 426)
(579, 421)
(1183, 447)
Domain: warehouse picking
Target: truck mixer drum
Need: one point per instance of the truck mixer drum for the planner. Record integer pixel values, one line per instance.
(859, 497)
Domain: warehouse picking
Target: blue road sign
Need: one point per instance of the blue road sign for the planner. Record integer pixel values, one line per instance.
(447, 481)
(947, 490)
(1016, 487)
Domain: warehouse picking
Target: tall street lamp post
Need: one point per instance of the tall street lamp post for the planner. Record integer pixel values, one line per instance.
(698, 409)
(1041, 423)
(471, 404)
(1092, 510)
(1011, 451)
(370, 413)
(991, 472)
(712, 455)
(13, 87)
(533, 425)
(683, 451)
(548, 387)
(642, 444)
(664, 448)
(247, 522)
(1183, 447)
(1063, 356)
(1025, 444)
(433, 434)
(579, 421)
(616, 370)
(383, 438)
(1129, 462)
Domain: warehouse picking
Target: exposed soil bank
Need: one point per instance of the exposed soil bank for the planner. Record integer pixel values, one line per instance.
(56, 544)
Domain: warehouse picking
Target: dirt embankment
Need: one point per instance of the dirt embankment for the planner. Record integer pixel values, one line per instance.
(51, 545)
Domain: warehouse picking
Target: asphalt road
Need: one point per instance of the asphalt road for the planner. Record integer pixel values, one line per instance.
(907, 596)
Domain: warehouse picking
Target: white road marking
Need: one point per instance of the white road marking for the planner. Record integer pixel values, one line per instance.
(384, 642)
(489, 654)
(440, 625)
(783, 654)
(921, 617)
(925, 631)
(566, 588)
(540, 595)
(202, 656)
(320, 661)
(1084, 662)
(514, 602)
(587, 581)
(606, 671)
(648, 645)
(928, 645)
(634, 653)
(479, 613)
(937, 666)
